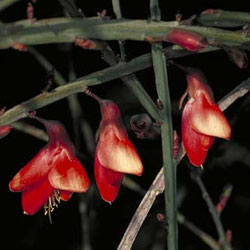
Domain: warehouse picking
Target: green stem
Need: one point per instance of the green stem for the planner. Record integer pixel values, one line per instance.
(161, 80)
(167, 146)
(222, 18)
(60, 30)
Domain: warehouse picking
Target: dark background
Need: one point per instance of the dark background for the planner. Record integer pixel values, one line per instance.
(22, 77)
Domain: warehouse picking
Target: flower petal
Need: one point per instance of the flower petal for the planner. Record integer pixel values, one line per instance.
(68, 174)
(118, 154)
(33, 199)
(32, 172)
(108, 181)
(65, 195)
(208, 119)
(195, 144)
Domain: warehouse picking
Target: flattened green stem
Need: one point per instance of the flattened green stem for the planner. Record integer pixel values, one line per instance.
(161, 80)
(159, 63)
(61, 30)
(226, 19)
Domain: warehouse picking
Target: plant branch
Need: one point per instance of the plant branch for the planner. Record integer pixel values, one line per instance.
(131, 233)
(155, 189)
(61, 30)
(213, 211)
(162, 87)
(212, 243)
(222, 18)
(30, 130)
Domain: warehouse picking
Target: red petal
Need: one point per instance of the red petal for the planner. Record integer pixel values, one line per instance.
(108, 181)
(68, 174)
(208, 119)
(65, 195)
(32, 172)
(118, 154)
(33, 199)
(195, 144)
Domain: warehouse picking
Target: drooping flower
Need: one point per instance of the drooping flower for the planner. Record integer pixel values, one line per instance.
(202, 120)
(52, 175)
(115, 154)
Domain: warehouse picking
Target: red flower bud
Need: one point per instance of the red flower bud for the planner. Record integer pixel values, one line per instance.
(201, 119)
(19, 46)
(115, 154)
(238, 56)
(5, 130)
(89, 44)
(187, 39)
(53, 174)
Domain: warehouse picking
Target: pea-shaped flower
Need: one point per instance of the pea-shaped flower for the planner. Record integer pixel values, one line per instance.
(115, 154)
(202, 120)
(52, 175)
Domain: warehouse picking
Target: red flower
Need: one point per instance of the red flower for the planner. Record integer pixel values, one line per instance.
(201, 119)
(52, 175)
(115, 154)
(187, 39)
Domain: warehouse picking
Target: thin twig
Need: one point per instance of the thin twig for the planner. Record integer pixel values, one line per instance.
(212, 243)
(156, 188)
(130, 234)
(214, 213)
(206, 238)
(30, 130)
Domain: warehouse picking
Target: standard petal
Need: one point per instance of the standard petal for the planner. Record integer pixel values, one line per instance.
(118, 155)
(195, 144)
(68, 174)
(208, 119)
(33, 199)
(108, 181)
(32, 172)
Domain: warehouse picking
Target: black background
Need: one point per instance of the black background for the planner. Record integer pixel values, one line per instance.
(22, 77)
